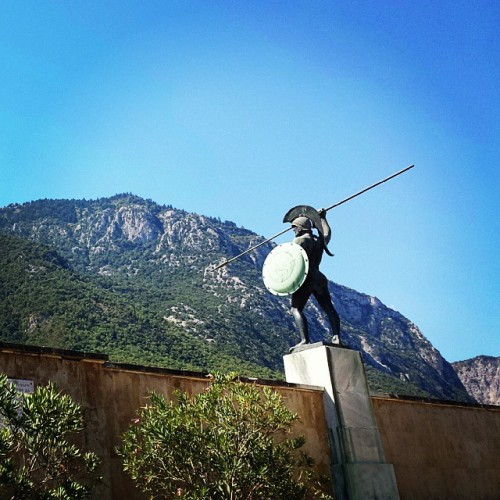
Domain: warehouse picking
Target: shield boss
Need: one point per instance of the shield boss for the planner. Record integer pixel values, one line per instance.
(285, 269)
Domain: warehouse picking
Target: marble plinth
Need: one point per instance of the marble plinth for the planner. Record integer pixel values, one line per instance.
(359, 471)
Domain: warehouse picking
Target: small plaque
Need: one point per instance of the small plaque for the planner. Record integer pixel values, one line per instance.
(21, 385)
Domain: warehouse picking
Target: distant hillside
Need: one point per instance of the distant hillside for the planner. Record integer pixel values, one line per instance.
(135, 279)
(481, 378)
(44, 302)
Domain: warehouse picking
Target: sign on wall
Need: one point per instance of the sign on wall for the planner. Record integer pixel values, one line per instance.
(21, 385)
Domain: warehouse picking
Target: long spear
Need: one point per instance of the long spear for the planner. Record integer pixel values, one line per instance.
(326, 210)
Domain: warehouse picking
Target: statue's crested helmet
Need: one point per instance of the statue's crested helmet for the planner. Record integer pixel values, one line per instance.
(302, 222)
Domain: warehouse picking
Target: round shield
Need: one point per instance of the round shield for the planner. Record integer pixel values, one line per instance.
(285, 269)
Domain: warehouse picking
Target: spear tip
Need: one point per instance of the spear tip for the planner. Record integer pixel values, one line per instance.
(222, 264)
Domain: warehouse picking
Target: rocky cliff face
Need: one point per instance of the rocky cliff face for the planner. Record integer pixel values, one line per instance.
(481, 378)
(167, 258)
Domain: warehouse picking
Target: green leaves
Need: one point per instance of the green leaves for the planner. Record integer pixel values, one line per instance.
(45, 303)
(38, 454)
(232, 441)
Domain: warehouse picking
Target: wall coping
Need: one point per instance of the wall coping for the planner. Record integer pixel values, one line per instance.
(52, 352)
(401, 398)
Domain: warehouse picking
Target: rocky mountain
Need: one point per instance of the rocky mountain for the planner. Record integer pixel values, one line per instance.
(137, 280)
(481, 378)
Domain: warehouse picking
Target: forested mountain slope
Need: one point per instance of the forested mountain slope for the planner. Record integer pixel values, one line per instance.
(136, 280)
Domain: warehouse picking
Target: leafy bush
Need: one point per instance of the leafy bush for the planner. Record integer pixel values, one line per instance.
(37, 459)
(229, 442)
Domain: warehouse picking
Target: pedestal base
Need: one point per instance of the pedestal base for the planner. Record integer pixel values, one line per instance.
(359, 470)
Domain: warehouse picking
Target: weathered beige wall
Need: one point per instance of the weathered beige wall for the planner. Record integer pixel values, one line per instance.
(110, 395)
(441, 451)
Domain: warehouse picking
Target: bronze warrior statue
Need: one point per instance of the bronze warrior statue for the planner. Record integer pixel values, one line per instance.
(287, 271)
(316, 282)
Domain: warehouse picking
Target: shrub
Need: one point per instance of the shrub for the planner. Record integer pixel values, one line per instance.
(37, 459)
(229, 442)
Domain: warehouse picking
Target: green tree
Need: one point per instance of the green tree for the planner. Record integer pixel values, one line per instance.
(230, 442)
(38, 456)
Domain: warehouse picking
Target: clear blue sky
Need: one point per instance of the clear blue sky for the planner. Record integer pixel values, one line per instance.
(241, 110)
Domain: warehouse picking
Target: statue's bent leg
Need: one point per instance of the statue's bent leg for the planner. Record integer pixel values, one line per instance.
(325, 302)
(333, 319)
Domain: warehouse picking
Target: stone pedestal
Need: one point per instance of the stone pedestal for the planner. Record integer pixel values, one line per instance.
(359, 470)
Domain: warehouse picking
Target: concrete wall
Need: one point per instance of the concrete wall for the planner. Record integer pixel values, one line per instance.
(439, 451)
(111, 393)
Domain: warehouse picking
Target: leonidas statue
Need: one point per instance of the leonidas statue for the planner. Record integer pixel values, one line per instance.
(293, 269)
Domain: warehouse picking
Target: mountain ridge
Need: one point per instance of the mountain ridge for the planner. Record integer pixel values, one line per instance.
(161, 259)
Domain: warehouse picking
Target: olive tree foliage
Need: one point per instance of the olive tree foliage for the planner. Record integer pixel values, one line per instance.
(38, 459)
(232, 441)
